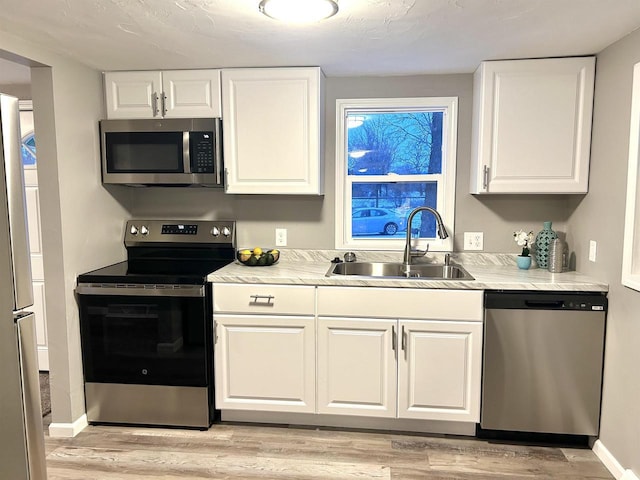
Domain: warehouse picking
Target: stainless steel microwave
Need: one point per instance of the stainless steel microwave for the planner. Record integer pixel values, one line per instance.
(169, 152)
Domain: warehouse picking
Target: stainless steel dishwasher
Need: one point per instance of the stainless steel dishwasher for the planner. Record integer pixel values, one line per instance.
(543, 357)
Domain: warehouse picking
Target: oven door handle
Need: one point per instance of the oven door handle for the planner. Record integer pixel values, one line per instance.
(141, 290)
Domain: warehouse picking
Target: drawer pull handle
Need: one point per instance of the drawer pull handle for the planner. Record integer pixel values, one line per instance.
(264, 300)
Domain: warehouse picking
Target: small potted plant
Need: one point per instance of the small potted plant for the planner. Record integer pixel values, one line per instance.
(525, 240)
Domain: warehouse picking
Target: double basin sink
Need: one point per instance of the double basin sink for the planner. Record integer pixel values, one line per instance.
(399, 270)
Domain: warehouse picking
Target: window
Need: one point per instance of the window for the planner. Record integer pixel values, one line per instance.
(28, 146)
(28, 150)
(394, 155)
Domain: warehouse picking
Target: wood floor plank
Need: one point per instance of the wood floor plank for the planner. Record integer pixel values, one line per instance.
(195, 465)
(241, 451)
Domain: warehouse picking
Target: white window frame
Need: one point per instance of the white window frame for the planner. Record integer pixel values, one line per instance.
(631, 248)
(446, 179)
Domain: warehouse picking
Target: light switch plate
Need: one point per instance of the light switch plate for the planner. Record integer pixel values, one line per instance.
(473, 240)
(593, 246)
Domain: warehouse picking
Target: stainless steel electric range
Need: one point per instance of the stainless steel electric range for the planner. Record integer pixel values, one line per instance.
(146, 325)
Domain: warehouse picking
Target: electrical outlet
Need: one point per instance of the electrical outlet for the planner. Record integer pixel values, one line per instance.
(473, 240)
(281, 237)
(593, 246)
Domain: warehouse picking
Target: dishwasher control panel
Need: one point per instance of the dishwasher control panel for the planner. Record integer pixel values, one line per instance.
(546, 301)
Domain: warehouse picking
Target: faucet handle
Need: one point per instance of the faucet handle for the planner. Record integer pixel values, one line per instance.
(419, 253)
(447, 259)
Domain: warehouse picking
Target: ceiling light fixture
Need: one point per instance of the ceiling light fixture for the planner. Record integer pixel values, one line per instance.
(299, 11)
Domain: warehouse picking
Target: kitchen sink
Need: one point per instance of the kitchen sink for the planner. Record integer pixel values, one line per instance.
(397, 270)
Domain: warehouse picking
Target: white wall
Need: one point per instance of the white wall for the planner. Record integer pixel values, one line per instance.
(82, 223)
(600, 217)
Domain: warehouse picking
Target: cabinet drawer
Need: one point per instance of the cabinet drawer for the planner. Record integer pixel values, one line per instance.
(264, 299)
(434, 304)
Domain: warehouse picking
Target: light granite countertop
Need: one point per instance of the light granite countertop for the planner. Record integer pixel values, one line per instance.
(491, 272)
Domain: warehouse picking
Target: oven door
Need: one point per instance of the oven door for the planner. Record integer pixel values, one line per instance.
(146, 335)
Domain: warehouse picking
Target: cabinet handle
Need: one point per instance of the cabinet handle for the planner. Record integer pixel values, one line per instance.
(215, 334)
(265, 300)
(163, 101)
(154, 103)
(404, 339)
(485, 177)
(394, 338)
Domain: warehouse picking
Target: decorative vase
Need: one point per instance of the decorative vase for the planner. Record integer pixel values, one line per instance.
(523, 262)
(543, 240)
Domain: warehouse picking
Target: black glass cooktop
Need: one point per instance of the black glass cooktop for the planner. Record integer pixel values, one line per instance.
(165, 271)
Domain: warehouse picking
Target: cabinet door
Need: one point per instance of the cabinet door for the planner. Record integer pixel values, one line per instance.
(357, 367)
(272, 141)
(265, 363)
(191, 93)
(532, 126)
(439, 370)
(133, 94)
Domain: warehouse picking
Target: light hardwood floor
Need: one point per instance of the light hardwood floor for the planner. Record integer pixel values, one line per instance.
(231, 451)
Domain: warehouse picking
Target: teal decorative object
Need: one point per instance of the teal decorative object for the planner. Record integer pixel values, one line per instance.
(543, 240)
(523, 262)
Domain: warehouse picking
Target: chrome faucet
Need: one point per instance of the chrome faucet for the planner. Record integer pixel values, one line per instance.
(409, 254)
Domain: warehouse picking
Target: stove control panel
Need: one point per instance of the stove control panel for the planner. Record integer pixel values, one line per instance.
(148, 232)
(179, 229)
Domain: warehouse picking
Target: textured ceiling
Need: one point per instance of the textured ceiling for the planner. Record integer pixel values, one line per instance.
(367, 37)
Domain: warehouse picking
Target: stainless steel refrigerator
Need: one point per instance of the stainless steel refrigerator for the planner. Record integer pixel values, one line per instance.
(22, 454)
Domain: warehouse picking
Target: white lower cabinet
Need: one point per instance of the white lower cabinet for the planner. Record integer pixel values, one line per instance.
(439, 370)
(265, 363)
(264, 348)
(425, 368)
(357, 372)
(355, 351)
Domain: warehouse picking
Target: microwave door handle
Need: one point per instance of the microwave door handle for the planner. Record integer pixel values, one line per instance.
(186, 167)
(217, 139)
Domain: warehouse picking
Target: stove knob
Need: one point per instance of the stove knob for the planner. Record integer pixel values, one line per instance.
(226, 232)
(144, 230)
(134, 230)
(215, 231)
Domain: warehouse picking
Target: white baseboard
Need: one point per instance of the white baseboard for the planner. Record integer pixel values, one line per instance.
(68, 430)
(629, 475)
(612, 463)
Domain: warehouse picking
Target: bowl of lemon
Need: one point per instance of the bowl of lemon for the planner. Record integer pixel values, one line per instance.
(258, 257)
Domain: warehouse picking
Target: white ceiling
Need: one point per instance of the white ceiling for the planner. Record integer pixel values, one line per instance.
(366, 37)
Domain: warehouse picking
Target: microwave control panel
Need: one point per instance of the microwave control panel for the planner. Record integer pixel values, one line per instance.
(201, 152)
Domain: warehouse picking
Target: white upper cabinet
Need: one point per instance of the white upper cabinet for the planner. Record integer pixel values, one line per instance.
(167, 94)
(532, 126)
(273, 130)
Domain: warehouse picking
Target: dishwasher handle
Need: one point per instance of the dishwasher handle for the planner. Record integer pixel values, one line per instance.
(544, 304)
